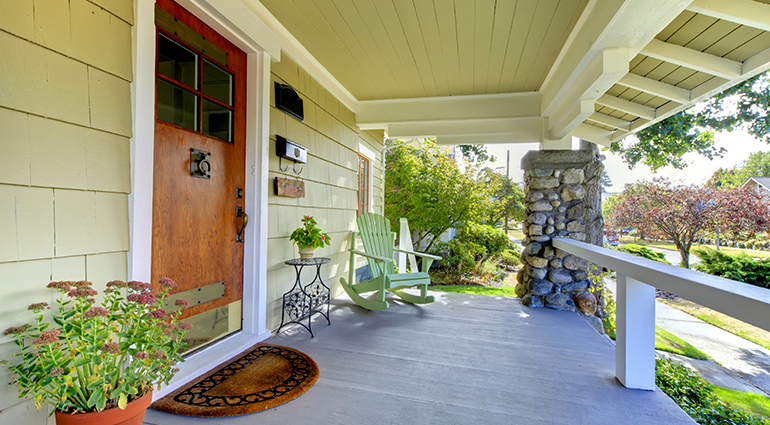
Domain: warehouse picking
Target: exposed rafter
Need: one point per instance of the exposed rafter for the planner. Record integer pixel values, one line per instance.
(745, 12)
(654, 87)
(627, 106)
(693, 59)
(572, 118)
(594, 134)
(610, 121)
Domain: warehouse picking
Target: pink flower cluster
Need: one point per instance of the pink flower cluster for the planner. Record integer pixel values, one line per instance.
(144, 298)
(96, 311)
(182, 303)
(16, 330)
(82, 292)
(167, 283)
(158, 313)
(141, 355)
(38, 307)
(63, 286)
(111, 348)
(185, 325)
(159, 354)
(139, 286)
(47, 337)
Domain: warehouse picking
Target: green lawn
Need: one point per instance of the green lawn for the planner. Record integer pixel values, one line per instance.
(755, 404)
(478, 290)
(734, 326)
(666, 341)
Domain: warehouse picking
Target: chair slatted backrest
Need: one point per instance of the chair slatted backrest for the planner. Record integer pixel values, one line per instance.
(378, 240)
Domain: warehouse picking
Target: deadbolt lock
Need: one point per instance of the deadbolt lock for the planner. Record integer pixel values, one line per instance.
(200, 163)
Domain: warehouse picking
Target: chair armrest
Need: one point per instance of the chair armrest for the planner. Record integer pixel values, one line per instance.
(373, 257)
(419, 254)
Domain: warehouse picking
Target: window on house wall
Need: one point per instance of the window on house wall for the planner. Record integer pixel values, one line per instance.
(363, 185)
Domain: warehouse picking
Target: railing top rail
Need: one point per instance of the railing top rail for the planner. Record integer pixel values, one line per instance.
(745, 302)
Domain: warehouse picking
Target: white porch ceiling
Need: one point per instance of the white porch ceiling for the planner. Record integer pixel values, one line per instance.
(497, 71)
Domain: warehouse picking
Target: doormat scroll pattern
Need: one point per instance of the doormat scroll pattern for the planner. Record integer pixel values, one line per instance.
(262, 377)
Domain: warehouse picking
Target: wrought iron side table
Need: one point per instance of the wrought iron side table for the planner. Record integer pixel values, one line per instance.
(302, 301)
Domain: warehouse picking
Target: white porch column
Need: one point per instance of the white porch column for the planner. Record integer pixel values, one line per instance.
(635, 335)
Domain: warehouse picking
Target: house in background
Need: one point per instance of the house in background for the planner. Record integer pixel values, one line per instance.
(140, 134)
(760, 184)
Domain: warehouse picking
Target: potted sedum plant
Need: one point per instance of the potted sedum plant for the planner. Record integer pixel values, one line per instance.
(309, 237)
(95, 362)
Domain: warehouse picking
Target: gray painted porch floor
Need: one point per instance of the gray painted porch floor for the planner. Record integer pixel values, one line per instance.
(465, 359)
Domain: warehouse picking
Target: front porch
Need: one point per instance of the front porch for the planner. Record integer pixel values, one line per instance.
(463, 359)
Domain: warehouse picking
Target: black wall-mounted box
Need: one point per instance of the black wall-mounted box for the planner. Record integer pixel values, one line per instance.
(285, 148)
(287, 100)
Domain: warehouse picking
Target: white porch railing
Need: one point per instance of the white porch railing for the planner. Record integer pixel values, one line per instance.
(637, 279)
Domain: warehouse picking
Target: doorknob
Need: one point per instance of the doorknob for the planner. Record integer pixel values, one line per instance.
(240, 212)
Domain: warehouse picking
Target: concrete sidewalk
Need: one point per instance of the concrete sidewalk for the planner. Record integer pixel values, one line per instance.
(743, 358)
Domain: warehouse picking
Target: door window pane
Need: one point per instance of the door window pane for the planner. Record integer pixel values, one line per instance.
(177, 106)
(177, 62)
(217, 83)
(217, 121)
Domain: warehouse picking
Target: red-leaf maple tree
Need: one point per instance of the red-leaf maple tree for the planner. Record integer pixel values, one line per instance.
(683, 213)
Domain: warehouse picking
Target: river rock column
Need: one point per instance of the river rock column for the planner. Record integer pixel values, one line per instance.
(558, 184)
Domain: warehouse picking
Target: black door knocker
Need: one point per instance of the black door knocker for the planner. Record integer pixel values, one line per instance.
(200, 163)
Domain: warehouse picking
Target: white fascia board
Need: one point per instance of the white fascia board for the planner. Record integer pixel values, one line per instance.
(393, 111)
(568, 121)
(627, 106)
(522, 125)
(693, 59)
(487, 139)
(745, 12)
(292, 47)
(612, 24)
(593, 134)
(235, 18)
(654, 87)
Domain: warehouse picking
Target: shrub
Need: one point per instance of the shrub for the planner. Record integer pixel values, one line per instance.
(644, 252)
(509, 257)
(459, 255)
(696, 396)
(736, 267)
(494, 241)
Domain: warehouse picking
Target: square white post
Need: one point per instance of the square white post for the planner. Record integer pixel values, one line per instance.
(635, 343)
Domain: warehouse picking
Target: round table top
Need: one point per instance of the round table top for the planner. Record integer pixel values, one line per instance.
(315, 261)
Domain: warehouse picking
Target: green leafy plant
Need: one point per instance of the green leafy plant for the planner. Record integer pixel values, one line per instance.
(697, 397)
(509, 257)
(309, 235)
(736, 267)
(644, 252)
(92, 357)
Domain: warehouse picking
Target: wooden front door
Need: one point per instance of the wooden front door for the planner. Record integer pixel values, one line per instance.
(199, 164)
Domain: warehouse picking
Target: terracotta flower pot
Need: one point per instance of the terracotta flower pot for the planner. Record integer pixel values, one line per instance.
(133, 414)
(306, 252)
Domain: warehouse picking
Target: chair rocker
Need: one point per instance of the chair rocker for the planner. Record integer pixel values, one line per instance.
(374, 230)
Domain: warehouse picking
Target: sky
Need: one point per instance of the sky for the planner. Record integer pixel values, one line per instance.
(738, 144)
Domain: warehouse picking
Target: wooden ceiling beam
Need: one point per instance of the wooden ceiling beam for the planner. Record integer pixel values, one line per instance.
(524, 129)
(654, 87)
(627, 106)
(693, 59)
(745, 12)
(593, 134)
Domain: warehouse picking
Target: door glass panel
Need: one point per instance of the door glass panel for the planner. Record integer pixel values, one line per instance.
(217, 121)
(217, 83)
(177, 62)
(176, 106)
(212, 325)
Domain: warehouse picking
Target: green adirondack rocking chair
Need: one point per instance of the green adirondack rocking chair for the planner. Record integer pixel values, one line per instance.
(374, 230)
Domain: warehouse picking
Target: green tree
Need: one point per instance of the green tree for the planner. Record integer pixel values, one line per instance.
(745, 105)
(426, 184)
(507, 197)
(608, 206)
(758, 164)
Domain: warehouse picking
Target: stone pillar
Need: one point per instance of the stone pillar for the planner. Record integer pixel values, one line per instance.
(563, 200)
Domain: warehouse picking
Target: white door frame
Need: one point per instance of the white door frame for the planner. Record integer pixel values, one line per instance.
(236, 22)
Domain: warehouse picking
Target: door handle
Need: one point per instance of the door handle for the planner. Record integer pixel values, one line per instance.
(240, 212)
